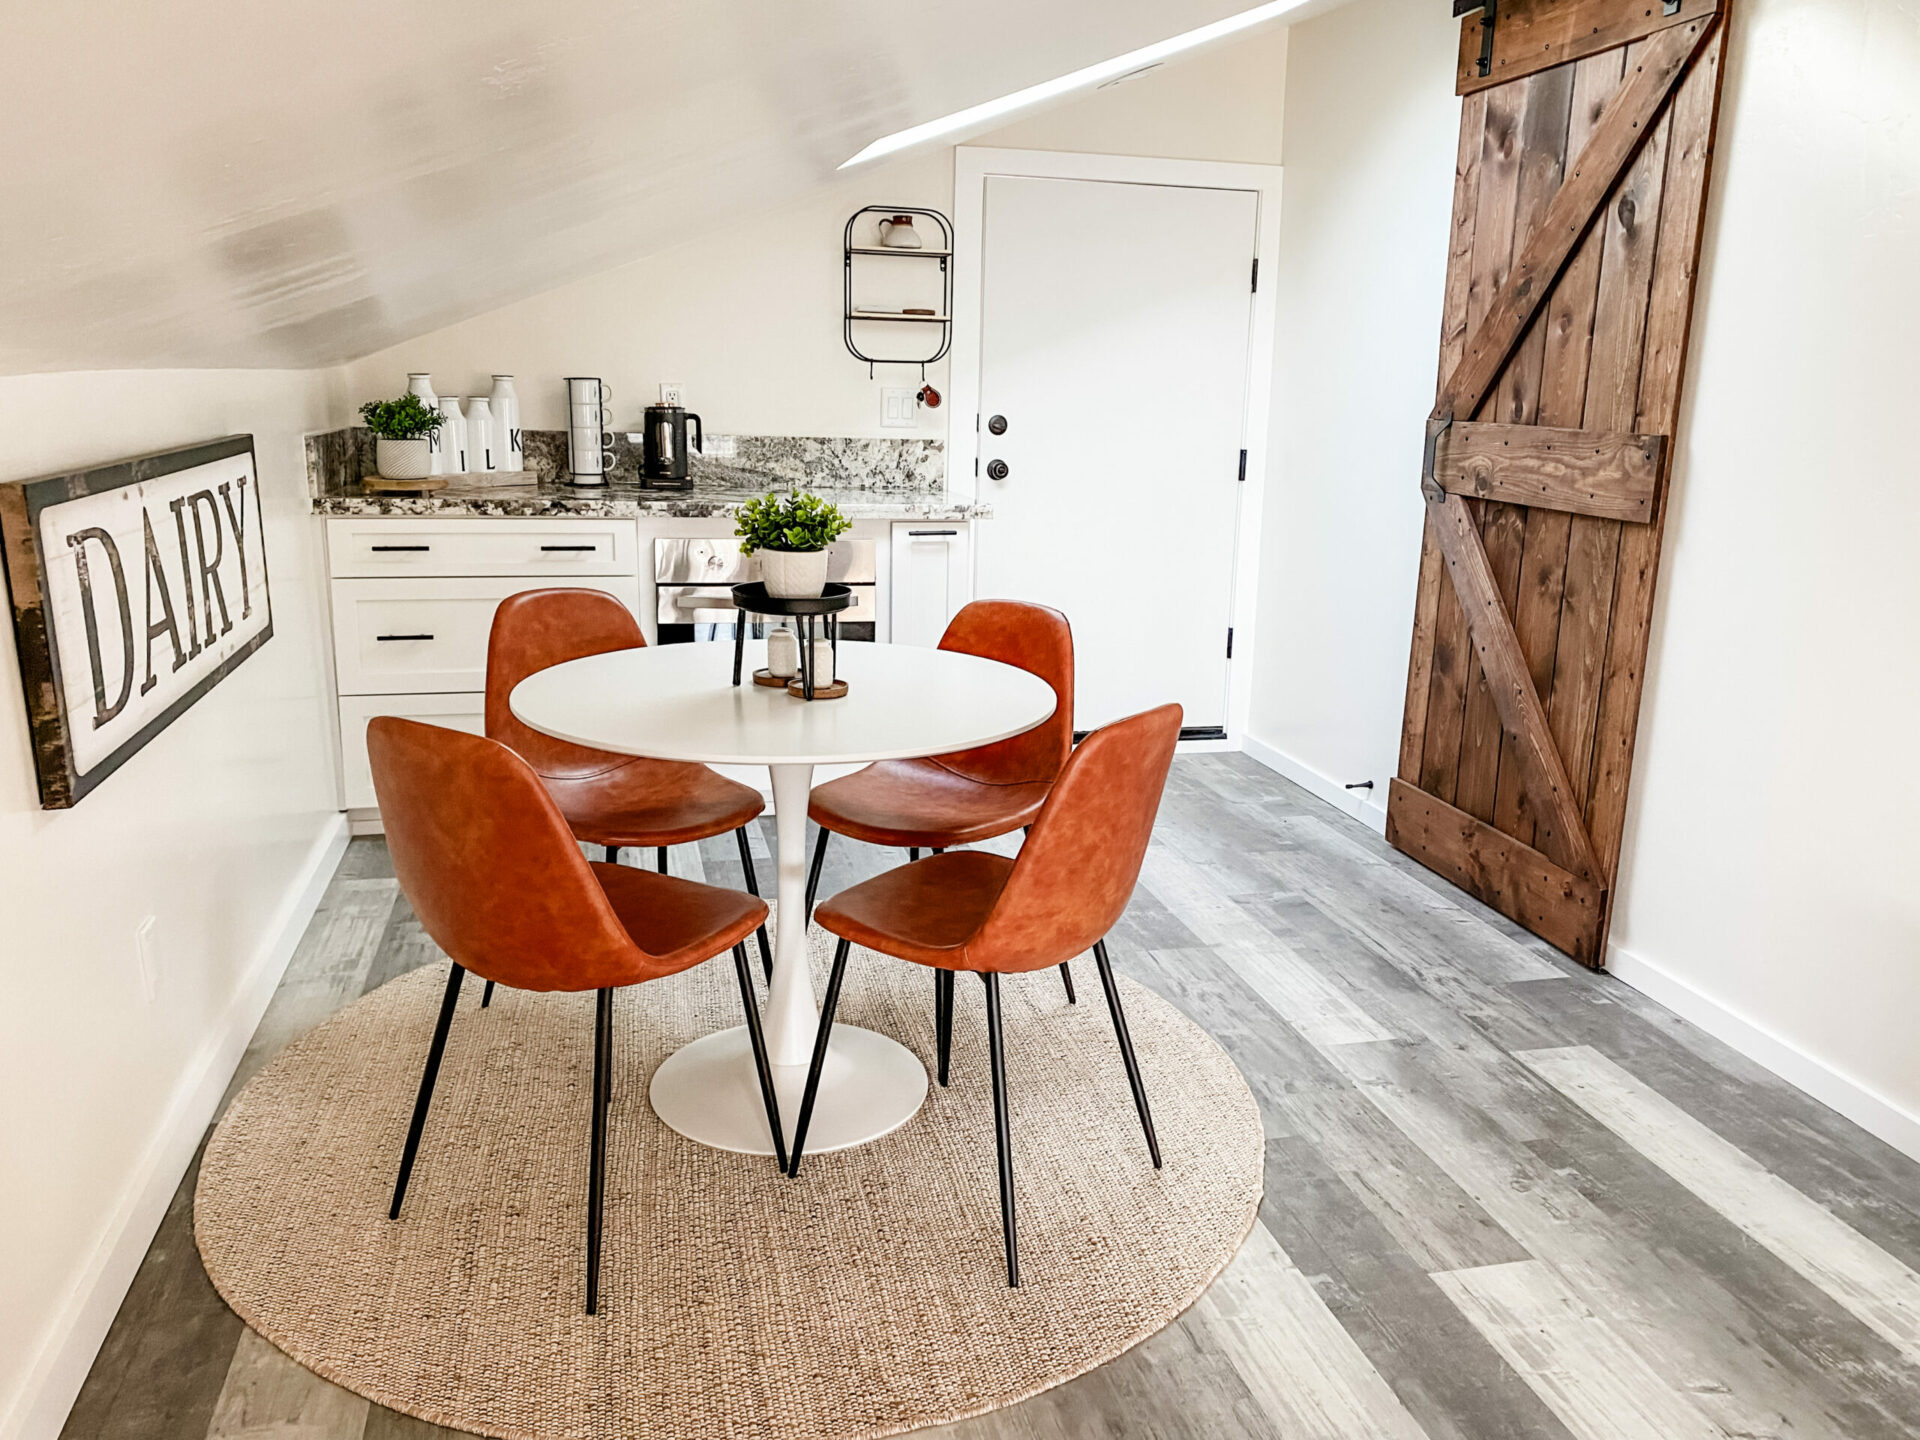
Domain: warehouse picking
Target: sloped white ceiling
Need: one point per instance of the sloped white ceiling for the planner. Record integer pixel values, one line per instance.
(298, 182)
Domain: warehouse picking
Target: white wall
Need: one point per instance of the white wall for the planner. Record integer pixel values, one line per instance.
(1370, 130)
(1767, 884)
(747, 316)
(216, 829)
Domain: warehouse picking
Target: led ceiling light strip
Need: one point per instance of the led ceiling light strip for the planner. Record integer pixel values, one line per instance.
(976, 116)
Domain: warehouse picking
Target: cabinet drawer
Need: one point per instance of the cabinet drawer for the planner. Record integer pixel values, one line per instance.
(398, 637)
(456, 712)
(379, 547)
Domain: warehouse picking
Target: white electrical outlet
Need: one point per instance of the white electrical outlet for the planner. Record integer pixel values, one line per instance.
(899, 407)
(147, 954)
(673, 392)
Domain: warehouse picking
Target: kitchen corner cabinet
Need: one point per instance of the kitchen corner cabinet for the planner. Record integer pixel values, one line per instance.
(411, 601)
(932, 578)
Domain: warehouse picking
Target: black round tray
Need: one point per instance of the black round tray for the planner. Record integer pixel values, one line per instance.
(754, 599)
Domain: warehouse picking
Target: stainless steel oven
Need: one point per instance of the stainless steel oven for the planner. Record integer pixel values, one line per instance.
(695, 579)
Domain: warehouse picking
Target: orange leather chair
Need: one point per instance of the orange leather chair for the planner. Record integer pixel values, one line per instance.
(608, 799)
(973, 795)
(485, 858)
(974, 910)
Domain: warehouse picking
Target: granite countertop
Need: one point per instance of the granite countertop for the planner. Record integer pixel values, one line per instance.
(710, 496)
(869, 479)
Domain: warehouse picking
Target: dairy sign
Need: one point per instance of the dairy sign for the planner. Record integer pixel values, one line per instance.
(135, 589)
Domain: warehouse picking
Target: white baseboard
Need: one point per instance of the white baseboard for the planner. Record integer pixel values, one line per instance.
(1831, 1086)
(1369, 807)
(78, 1330)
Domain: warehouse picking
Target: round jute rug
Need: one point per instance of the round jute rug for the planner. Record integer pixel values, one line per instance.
(864, 1298)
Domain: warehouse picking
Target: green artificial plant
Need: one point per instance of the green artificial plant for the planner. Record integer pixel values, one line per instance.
(408, 418)
(795, 521)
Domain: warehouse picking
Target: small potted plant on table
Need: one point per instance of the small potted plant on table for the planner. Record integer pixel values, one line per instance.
(403, 432)
(790, 533)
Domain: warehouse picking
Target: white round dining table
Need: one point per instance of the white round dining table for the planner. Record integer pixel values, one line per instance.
(677, 702)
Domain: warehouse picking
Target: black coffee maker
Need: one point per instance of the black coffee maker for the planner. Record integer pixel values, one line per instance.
(663, 452)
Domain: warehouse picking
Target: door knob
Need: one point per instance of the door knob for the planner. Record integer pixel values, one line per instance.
(996, 469)
(997, 424)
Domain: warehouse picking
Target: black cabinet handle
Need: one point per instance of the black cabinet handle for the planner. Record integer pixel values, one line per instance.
(932, 532)
(569, 547)
(400, 547)
(403, 637)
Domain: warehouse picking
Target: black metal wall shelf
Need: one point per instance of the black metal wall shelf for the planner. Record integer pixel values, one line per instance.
(853, 315)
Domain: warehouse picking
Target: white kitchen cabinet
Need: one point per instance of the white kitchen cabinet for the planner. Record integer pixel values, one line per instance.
(412, 603)
(536, 547)
(932, 577)
(466, 712)
(394, 637)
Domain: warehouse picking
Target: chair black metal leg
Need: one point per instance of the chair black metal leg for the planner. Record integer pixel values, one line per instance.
(1066, 977)
(597, 1143)
(943, 1018)
(486, 995)
(813, 875)
(913, 852)
(760, 1063)
(820, 1040)
(660, 858)
(613, 854)
(1002, 1131)
(753, 888)
(1126, 1049)
(425, 1098)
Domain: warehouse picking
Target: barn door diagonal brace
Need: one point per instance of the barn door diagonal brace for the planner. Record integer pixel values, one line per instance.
(1628, 120)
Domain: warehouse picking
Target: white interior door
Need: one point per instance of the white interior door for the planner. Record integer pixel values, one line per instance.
(1114, 334)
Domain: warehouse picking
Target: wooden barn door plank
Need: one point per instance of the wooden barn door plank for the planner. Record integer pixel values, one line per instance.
(1453, 338)
(1514, 400)
(1664, 356)
(1563, 392)
(1534, 35)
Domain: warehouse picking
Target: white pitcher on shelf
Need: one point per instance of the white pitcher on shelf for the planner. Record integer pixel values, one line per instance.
(421, 383)
(481, 436)
(506, 423)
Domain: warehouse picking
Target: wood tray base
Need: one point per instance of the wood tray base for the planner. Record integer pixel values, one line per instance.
(770, 680)
(820, 692)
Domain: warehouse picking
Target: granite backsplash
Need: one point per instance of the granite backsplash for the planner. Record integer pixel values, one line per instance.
(339, 458)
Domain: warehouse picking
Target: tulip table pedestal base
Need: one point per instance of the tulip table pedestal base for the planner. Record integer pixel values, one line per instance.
(707, 1091)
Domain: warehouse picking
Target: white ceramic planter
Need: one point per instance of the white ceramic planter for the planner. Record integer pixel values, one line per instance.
(406, 459)
(794, 574)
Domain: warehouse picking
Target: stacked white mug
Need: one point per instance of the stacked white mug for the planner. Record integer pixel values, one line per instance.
(589, 441)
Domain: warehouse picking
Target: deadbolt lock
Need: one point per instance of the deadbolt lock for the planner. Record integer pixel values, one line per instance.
(998, 424)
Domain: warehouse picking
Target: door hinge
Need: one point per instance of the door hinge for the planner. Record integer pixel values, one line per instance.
(1243, 467)
(1256, 274)
(1229, 642)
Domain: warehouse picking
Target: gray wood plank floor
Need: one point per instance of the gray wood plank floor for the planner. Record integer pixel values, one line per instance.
(1505, 1198)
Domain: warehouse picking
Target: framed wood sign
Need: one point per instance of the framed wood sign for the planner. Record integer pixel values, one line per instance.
(136, 588)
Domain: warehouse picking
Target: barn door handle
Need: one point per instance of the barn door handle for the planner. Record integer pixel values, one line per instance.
(1437, 425)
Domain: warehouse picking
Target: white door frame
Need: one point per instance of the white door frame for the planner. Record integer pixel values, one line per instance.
(972, 165)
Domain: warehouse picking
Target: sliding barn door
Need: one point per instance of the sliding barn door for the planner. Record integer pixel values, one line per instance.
(1579, 194)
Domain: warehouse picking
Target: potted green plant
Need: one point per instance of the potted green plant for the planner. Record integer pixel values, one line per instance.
(790, 533)
(402, 435)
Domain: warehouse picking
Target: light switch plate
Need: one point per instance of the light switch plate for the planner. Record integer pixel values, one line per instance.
(899, 409)
(673, 392)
